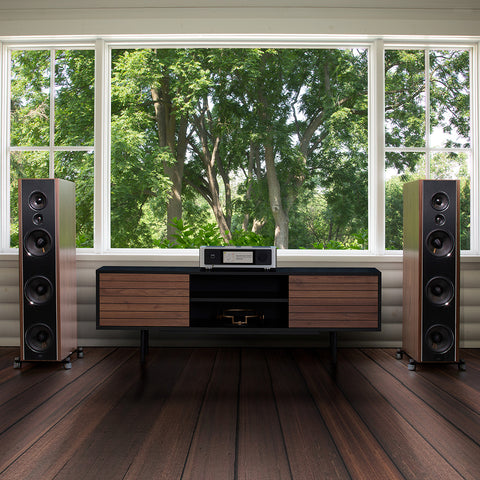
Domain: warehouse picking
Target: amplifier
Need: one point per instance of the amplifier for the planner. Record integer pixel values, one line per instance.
(238, 257)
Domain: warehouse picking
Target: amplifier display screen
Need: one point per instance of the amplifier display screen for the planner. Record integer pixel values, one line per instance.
(238, 257)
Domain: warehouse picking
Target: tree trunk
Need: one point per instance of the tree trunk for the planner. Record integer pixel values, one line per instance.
(210, 156)
(177, 144)
(274, 195)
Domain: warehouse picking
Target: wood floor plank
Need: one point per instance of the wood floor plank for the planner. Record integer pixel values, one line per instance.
(109, 449)
(261, 452)
(451, 397)
(452, 445)
(472, 353)
(78, 383)
(447, 376)
(239, 413)
(7, 372)
(212, 452)
(7, 355)
(66, 439)
(310, 447)
(412, 454)
(163, 453)
(362, 453)
(29, 388)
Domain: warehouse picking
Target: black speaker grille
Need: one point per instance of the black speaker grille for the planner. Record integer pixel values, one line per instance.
(38, 234)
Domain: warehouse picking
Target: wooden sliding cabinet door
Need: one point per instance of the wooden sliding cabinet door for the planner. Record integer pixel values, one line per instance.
(334, 301)
(143, 300)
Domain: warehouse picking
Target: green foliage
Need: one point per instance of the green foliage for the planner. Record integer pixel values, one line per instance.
(194, 237)
(359, 241)
(208, 234)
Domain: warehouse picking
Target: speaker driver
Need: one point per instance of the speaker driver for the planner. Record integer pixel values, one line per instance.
(38, 243)
(39, 337)
(38, 219)
(439, 291)
(440, 201)
(37, 200)
(38, 290)
(439, 339)
(440, 243)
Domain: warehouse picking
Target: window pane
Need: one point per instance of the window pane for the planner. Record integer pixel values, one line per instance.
(239, 146)
(74, 97)
(449, 98)
(401, 168)
(78, 168)
(405, 98)
(456, 166)
(23, 165)
(30, 98)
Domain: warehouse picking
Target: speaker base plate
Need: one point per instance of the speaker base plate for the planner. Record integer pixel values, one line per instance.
(67, 363)
(412, 363)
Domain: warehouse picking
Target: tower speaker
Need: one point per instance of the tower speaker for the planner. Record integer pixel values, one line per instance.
(431, 253)
(47, 263)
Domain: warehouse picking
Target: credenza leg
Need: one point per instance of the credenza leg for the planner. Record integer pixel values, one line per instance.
(143, 345)
(333, 347)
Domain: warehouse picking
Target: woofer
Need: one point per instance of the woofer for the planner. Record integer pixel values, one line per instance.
(440, 243)
(439, 291)
(439, 339)
(38, 243)
(38, 290)
(39, 338)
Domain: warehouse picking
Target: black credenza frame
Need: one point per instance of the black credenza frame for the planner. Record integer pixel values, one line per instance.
(284, 300)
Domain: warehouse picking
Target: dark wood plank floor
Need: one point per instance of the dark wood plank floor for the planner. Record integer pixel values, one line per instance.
(239, 413)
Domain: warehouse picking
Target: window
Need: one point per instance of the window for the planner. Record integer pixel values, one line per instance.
(427, 128)
(52, 127)
(239, 146)
(193, 146)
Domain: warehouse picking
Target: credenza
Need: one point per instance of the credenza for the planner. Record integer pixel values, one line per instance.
(300, 300)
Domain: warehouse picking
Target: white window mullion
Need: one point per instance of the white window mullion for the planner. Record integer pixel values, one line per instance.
(475, 150)
(51, 163)
(376, 149)
(102, 148)
(4, 161)
(427, 112)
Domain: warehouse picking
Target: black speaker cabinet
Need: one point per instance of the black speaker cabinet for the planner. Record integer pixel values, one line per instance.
(431, 270)
(48, 303)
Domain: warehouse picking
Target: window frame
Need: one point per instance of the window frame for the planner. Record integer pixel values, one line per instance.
(376, 135)
(428, 150)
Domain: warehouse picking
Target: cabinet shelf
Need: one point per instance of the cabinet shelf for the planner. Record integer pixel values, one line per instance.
(237, 300)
